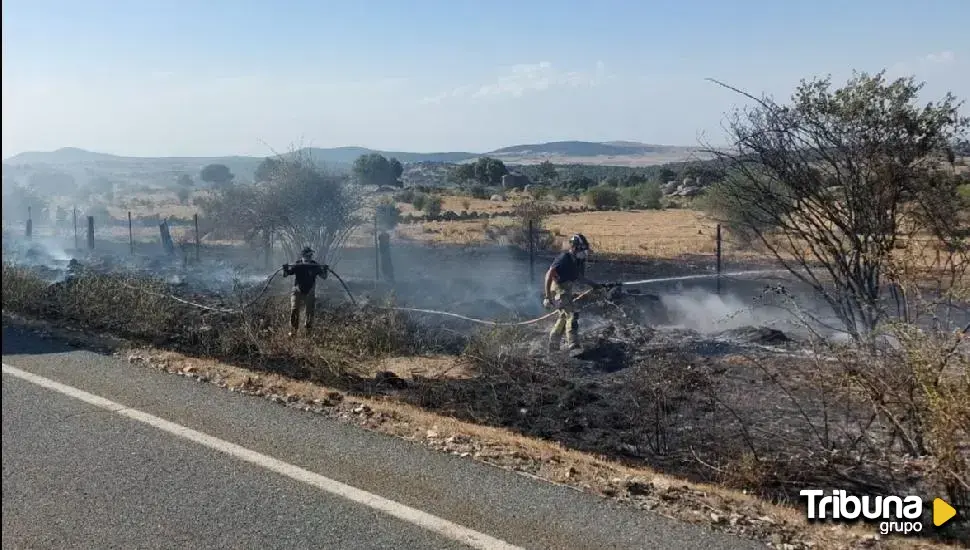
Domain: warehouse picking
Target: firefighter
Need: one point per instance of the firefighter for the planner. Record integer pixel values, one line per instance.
(568, 269)
(305, 272)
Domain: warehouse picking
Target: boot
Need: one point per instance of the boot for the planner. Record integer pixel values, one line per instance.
(573, 345)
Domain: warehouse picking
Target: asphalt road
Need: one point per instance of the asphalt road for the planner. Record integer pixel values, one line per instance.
(79, 475)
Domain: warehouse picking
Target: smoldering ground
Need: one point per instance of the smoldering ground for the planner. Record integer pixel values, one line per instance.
(675, 374)
(491, 284)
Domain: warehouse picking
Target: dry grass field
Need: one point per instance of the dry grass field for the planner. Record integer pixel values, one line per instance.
(457, 203)
(646, 233)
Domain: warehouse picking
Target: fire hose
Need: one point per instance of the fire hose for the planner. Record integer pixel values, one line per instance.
(350, 295)
(580, 296)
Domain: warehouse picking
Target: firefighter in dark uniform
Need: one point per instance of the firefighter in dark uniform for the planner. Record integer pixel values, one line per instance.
(305, 272)
(568, 269)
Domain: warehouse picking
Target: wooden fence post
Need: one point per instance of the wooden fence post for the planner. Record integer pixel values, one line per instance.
(532, 252)
(167, 245)
(718, 256)
(90, 232)
(377, 250)
(386, 268)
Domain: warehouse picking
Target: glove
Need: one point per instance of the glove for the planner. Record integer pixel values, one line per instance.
(547, 303)
(326, 270)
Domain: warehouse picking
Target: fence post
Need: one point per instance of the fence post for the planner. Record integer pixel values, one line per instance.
(532, 252)
(166, 237)
(718, 256)
(268, 248)
(90, 232)
(377, 250)
(386, 267)
(30, 223)
(131, 236)
(198, 239)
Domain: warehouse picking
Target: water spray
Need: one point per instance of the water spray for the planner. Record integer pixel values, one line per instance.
(704, 276)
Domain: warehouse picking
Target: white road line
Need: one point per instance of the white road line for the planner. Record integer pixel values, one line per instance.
(427, 521)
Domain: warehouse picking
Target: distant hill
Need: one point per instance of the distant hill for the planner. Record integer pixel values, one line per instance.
(587, 149)
(620, 153)
(64, 155)
(335, 155)
(347, 155)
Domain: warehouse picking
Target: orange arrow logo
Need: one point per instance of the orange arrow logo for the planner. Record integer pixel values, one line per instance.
(942, 512)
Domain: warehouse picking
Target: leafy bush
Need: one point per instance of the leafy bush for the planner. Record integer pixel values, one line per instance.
(432, 206)
(419, 201)
(478, 192)
(602, 198)
(964, 191)
(405, 196)
(388, 214)
(644, 195)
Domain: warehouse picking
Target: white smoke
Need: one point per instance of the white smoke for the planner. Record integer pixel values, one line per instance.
(707, 312)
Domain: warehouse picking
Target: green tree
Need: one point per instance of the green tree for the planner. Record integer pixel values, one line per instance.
(397, 170)
(462, 173)
(217, 174)
(547, 172)
(666, 174)
(489, 171)
(266, 169)
(375, 169)
(185, 180)
(301, 205)
(830, 183)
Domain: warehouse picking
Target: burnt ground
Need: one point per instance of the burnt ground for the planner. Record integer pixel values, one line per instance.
(704, 385)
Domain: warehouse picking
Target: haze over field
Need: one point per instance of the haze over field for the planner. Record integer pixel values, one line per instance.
(179, 79)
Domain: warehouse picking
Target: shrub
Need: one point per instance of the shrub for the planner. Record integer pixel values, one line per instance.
(964, 191)
(419, 201)
(602, 198)
(644, 195)
(478, 192)
(432, 206)
(388, 214)
(405, 196)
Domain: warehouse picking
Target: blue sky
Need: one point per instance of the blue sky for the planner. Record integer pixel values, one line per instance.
(215, 77)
